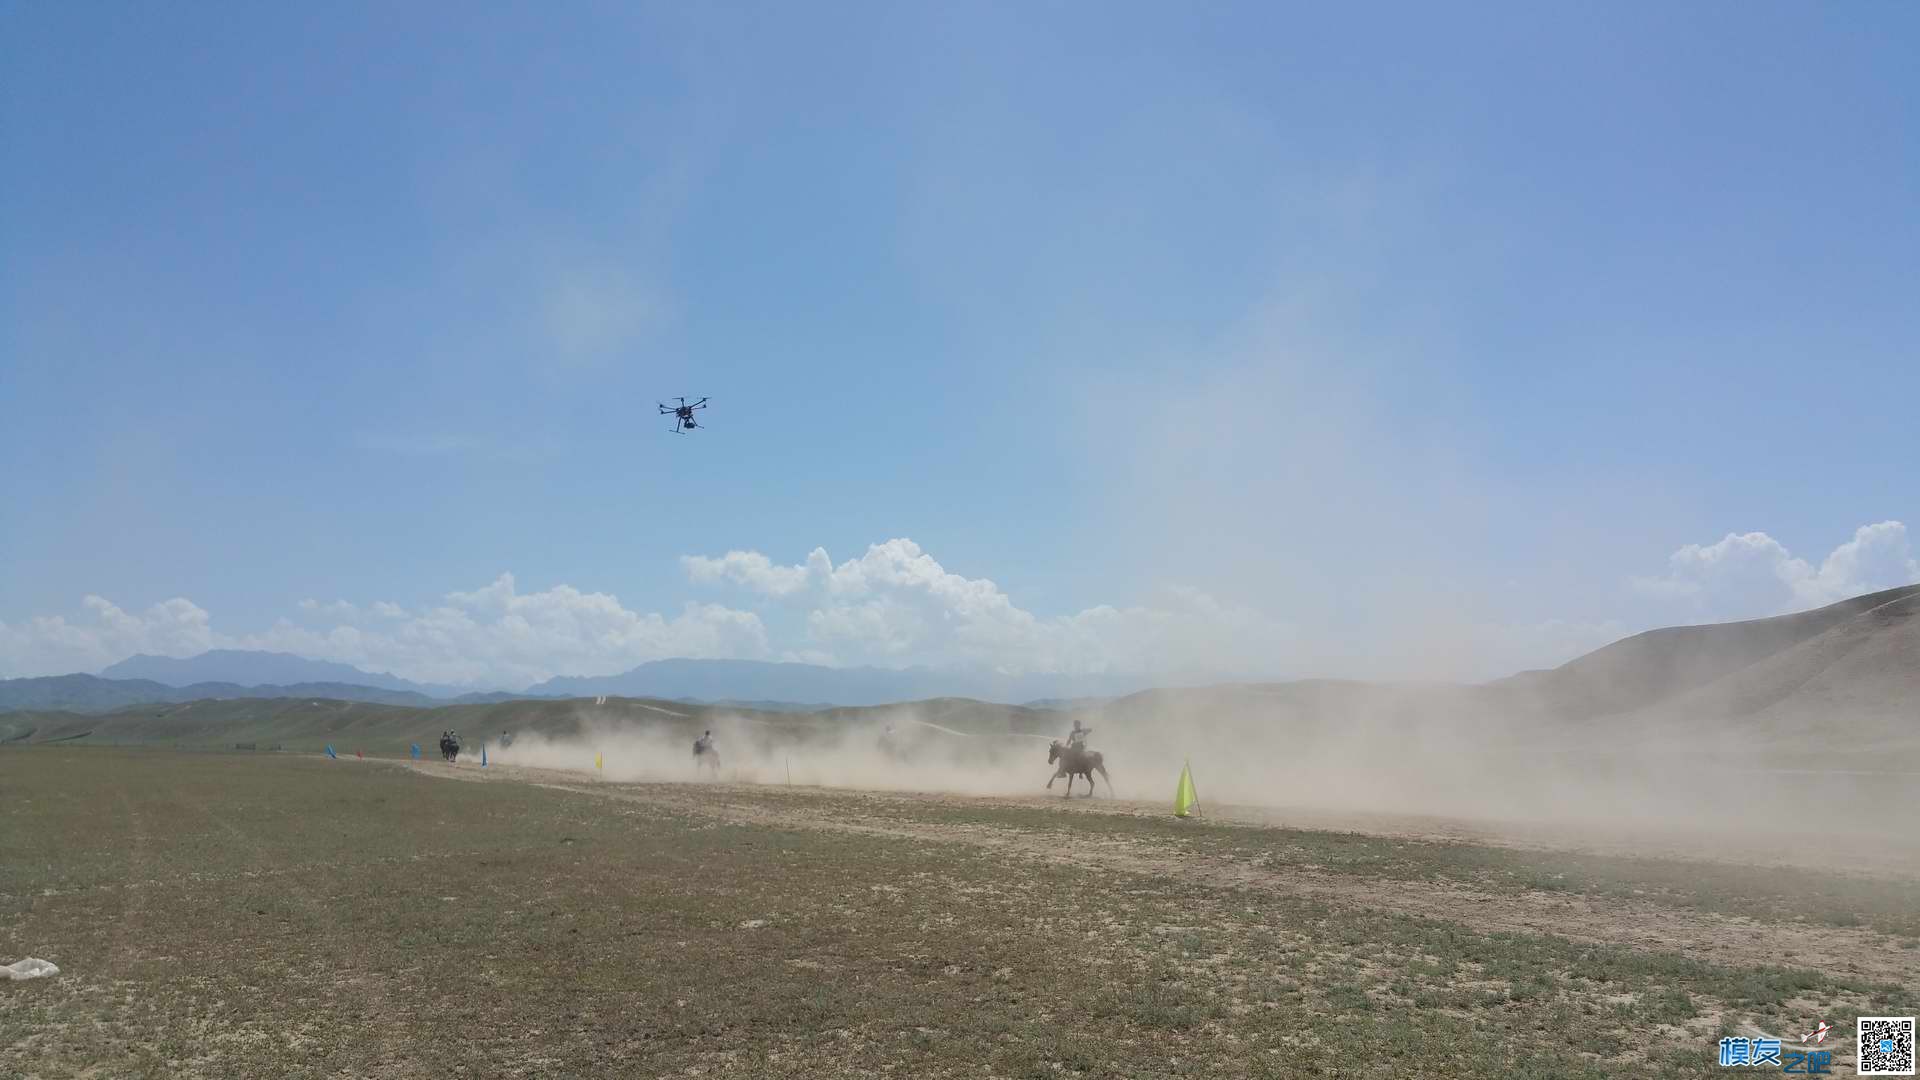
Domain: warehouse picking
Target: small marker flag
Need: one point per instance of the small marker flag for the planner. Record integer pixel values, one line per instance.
(331, 754)
(483, 755)
(361, 754)
(416, 751)
(1184, 798)
(596, 759)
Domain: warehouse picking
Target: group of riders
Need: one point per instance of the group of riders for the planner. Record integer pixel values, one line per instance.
(704, 751)
(450, 743)
(707, 756)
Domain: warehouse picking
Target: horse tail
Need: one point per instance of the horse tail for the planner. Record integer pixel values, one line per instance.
(1104, 776)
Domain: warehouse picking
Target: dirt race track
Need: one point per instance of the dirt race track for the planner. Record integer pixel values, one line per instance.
(233, 915)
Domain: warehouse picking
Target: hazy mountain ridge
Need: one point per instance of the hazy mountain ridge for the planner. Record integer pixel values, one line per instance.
(748, 682)
(251, 667)
(1848, 673)
(94, 694)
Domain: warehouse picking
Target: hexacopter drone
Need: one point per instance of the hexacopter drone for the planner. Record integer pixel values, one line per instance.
(682, 414)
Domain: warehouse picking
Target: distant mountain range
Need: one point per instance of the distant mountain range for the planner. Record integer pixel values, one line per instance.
(1858, 659)
(761, 681)
(223, 674)
(91, 693)
(247, 667)
(732, 681)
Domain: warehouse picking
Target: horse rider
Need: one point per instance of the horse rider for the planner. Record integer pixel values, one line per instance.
(1077, 738)
(703, 744)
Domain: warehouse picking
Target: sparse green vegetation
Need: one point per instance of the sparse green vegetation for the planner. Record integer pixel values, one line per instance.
(1778, 894)
(237, 915)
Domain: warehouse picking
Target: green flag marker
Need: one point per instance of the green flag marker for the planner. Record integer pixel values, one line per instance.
(1184, 799)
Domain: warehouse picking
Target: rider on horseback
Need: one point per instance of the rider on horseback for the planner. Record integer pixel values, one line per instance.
(1077, 738)
(703, 744)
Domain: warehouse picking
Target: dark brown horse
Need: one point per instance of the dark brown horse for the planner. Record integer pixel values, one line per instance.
(1072, 761)
(706, 759)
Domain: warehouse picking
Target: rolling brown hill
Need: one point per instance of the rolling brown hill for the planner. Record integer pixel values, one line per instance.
(1853, 686)
(1667, 664)
(1845, 677)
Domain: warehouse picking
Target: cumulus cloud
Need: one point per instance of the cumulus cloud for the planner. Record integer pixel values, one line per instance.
(498, 635)
(491, 636)
(338, 609)
(1749, 574)
(103, 634)
(895, 604)
(751, 569)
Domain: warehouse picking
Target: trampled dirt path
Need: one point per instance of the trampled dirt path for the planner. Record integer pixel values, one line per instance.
(1730, 940)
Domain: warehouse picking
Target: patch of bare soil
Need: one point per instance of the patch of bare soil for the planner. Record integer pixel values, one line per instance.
(1729, 940)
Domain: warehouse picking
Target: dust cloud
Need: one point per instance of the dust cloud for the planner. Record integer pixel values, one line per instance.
(898, 751)
(1511, 760)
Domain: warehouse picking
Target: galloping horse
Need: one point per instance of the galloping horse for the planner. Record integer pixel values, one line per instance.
(706, 757)
(1076, 761)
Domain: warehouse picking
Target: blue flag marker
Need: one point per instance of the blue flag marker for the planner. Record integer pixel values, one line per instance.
(483, 755)
(331, 754)
(416, 751)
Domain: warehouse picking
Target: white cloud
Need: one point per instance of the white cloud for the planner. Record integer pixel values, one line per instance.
(1748, 574)
(752, 569)
(104, 634)
(1878, 557)
(493, 636)
(896, 605)
(497, 635)
(338, 609)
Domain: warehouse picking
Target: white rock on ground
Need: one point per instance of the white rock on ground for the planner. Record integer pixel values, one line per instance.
(30, 968)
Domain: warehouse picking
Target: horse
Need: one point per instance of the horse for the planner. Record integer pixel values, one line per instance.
(706, 757)
(1076, 761)
(449, 749)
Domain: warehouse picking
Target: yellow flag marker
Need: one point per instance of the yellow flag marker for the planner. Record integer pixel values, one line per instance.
(596, 759)
(1184, 799)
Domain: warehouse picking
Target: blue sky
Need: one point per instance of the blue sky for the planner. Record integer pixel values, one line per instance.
(1398, 339)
